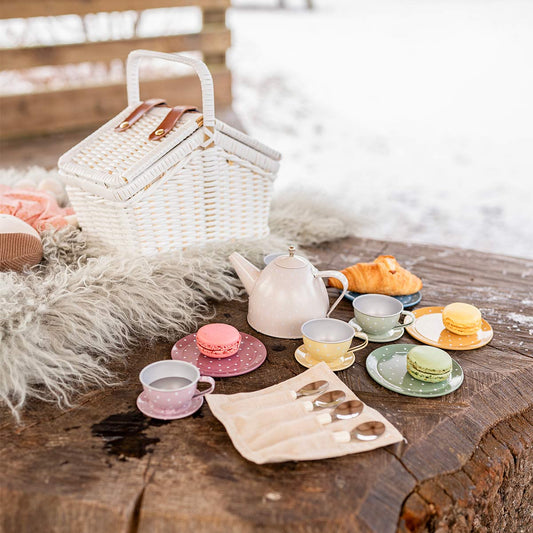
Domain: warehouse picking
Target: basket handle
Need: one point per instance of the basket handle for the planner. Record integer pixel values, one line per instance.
(206, 81)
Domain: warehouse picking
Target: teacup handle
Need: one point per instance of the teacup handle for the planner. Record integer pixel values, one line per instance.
(205, 379)
(409, 315)
(337, 275)
(359, 335)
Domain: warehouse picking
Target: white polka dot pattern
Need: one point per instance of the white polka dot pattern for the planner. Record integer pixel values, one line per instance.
(388, 367)
(429, 329)
(251, 355)
(148, 409)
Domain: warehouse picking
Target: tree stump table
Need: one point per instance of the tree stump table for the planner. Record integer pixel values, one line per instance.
(467, 465)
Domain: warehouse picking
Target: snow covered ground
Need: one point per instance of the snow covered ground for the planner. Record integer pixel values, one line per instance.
(417, 114)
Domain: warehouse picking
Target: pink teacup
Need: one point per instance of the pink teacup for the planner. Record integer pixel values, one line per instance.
(171, 385)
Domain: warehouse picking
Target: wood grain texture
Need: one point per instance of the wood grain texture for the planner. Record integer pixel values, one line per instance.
(478, 498)
(54, 111)
(211, 41)
(467, 465)
(53, 8)
(47, 111)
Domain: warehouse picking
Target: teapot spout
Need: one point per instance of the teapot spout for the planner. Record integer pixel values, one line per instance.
(247, 272)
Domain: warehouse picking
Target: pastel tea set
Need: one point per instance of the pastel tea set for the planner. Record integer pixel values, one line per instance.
(379, 316)
(287, 293)
(288, 299)
(170, 389)
(328, 340)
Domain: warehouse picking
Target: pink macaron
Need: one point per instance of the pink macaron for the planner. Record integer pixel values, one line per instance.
(218, 340)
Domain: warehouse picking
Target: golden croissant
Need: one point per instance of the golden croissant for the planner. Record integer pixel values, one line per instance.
(383, 276)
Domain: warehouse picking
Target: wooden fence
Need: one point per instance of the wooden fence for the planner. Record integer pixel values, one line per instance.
(47, 111)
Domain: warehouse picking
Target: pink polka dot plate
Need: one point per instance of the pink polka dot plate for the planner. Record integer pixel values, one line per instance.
(251, 355)
(146, 408)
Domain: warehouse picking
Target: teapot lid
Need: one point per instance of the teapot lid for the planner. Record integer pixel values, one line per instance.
(291, 260)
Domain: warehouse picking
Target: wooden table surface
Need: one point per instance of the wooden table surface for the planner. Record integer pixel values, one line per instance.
(468, 464)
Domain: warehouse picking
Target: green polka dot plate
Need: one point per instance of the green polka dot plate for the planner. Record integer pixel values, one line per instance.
(387, 366)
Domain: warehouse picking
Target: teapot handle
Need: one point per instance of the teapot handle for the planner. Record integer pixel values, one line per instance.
(342, 278)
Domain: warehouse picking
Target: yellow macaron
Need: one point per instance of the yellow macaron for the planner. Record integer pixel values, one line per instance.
(461, 319)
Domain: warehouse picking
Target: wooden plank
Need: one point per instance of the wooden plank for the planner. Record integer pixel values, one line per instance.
(212, 60)
(68, 478)
(52, 8)
(211, 41)
(48, 112)
(213, 18)
(476, 497)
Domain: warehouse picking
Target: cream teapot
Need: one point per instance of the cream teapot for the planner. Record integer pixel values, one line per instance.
(287, 293)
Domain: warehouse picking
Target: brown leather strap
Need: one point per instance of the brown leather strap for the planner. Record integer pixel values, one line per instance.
(170, 121)
(138, 113)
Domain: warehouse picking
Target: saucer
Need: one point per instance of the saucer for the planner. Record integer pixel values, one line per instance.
(251, 355)
(387, 366)
(409, 300)
(429, 329)
(302, 356)
(392, 335)
(147, 409)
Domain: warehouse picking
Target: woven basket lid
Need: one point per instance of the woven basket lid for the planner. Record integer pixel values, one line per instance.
(118, 164)
(112, 158)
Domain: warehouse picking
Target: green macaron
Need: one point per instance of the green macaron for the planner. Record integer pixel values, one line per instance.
(429, 364)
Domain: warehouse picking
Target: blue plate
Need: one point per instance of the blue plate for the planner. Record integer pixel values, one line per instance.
(409, 300)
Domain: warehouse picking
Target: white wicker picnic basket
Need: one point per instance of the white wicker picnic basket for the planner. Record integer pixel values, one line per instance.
(156, 178)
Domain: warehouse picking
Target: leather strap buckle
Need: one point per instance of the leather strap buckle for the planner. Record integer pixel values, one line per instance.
(138, 113)
(170, 121)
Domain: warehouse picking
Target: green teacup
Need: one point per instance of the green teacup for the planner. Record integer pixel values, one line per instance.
(378, 314)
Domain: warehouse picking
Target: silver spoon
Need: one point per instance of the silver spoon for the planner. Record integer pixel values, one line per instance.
(273, 398)
(343, 411)
(310, 389)
(328, 399)
(364, 432)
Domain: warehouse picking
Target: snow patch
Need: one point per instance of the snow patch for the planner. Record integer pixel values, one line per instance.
(416, 112)
(521, 319)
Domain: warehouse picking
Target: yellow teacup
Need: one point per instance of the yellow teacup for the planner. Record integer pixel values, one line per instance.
(329, 339)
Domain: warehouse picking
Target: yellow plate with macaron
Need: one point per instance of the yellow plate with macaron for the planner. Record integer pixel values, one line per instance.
(429, 329)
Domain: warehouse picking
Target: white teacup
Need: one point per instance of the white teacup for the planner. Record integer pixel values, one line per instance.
(378, 314)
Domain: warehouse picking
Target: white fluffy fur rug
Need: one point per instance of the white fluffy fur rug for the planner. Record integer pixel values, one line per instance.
(62, 321)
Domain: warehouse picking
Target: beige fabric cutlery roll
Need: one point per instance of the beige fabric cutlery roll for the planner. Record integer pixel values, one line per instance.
(268, 426)
(288, 430)
(253, 424)
(239, 405)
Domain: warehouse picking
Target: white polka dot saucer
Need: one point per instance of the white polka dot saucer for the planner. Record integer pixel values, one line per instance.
(387, 365)
(429, 329)
(251, 355)
(148, 409)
